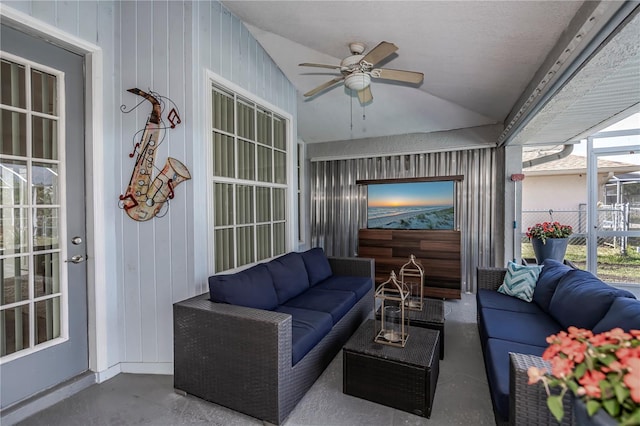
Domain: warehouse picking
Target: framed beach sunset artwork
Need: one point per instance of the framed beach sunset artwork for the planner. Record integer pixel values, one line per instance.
(411, 205)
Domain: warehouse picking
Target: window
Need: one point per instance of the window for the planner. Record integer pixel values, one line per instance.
(249, 173)
(32, 292)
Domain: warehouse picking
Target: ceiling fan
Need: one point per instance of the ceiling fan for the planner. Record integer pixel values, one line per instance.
(358, 69)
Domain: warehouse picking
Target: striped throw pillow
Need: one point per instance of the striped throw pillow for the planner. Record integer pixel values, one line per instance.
(520, 281)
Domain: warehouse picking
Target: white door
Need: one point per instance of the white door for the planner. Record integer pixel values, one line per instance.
(614, 234)
(43, 297)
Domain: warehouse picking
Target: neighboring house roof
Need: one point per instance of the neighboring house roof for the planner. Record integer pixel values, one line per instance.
(573, 164)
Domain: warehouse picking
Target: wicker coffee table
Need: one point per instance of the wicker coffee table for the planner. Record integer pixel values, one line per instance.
(431, 316)
(402, 378)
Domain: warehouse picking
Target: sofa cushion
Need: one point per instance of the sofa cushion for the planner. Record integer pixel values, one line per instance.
(317, 264)
(520, 280)
(486, 298)
(497, 365)
(359, 285)
(334, 302)
(520, 327)
(624, 313)
(307, 329)
(289, 276)
(252, 288)
(581, 299)
(552, 272)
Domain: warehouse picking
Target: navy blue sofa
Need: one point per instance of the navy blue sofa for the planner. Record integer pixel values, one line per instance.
(508, 326)
(261, 337)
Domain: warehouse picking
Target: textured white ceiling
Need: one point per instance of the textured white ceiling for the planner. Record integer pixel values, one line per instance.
(478, 57)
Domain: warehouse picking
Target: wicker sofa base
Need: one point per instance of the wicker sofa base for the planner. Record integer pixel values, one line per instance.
(240, 357)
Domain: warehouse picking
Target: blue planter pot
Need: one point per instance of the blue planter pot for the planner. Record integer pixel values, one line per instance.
(581, 416)
(555, 248)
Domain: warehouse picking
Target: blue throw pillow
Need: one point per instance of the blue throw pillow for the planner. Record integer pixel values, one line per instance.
(624, 313)
(252, 288)
(317, 265)
(520, 281)
(552, 272)
(582, 300)
(289, 276)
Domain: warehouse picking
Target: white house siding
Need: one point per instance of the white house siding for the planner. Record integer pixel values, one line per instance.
(557, 192)
(164, 46)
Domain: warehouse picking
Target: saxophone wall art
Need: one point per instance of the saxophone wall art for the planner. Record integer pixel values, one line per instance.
(145, 198)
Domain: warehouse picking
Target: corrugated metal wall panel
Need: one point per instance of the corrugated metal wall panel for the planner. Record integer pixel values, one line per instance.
(338, 205)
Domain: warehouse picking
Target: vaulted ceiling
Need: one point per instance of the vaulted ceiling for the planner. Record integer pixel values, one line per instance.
(550, 71)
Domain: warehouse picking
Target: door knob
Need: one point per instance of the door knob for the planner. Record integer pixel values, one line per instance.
(78, 258)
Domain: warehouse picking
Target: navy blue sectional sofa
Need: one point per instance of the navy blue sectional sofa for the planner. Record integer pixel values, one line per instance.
(261, 337)
(513, 332)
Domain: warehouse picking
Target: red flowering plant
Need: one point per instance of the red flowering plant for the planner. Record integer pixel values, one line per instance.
(545, 230)
(601, 369)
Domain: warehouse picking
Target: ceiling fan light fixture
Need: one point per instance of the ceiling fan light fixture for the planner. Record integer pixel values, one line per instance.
(357, 81)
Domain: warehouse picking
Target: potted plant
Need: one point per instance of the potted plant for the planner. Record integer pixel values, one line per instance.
(549, 240)
(601, 370)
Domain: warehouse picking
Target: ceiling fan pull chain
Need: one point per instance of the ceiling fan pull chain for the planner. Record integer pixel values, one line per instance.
(351, 98)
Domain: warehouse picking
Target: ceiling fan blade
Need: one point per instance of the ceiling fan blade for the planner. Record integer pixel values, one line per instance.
(324, 86)
(379, 52)
(307, 64)
(398, 75)
(365, 95)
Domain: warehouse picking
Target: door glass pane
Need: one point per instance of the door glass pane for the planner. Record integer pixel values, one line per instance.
(47, 320)
(45, 183)
(13, 231)
(13, 128)
(15, 279)
(43, 92)
(12, 84)
(46, 274)
(13, 181)
(46, 229)
(45, 138)
(30, 208)
(14, 324)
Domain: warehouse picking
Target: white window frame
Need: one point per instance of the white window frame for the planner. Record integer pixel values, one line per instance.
(212, 78)
(62, 220)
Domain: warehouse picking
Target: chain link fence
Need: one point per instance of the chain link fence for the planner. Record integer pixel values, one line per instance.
(618, 257)
(614, 217)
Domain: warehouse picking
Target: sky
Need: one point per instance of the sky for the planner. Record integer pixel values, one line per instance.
(632, 122)
(411, 194)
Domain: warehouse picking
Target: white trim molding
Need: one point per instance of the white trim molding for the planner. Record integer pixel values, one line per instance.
(95, 183)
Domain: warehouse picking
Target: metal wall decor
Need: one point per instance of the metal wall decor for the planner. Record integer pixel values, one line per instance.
(392, 327)
(412, 275)
(144, 199)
